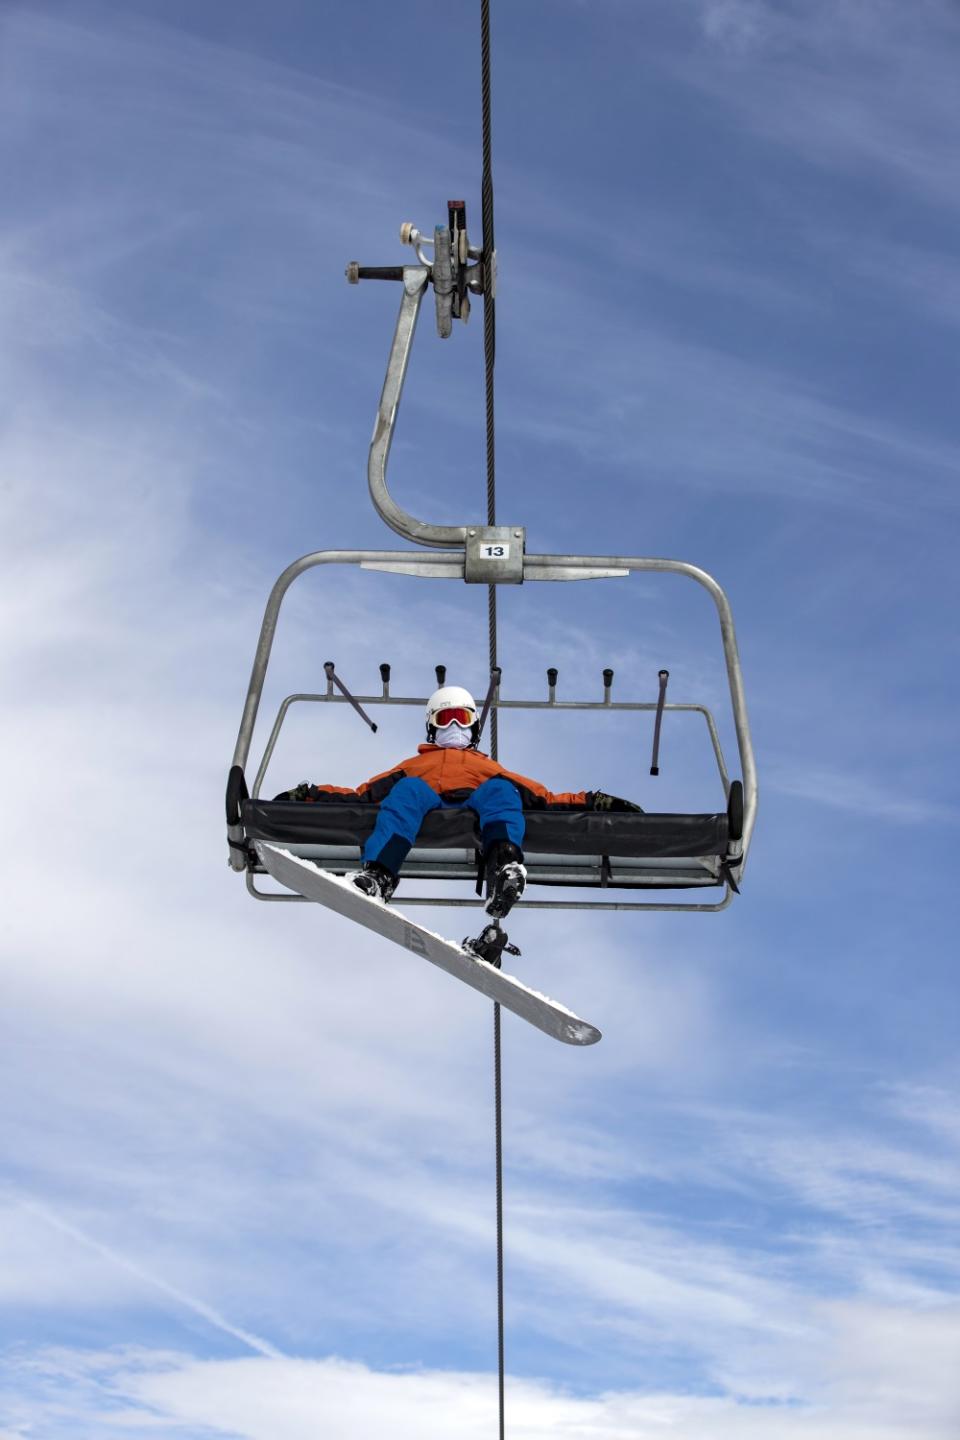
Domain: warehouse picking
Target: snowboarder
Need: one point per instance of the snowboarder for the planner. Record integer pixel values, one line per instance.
(450, 770)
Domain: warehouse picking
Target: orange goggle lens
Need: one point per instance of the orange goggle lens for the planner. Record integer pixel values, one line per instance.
(459, 715)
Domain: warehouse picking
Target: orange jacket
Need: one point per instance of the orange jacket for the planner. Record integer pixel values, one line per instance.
(453, 774)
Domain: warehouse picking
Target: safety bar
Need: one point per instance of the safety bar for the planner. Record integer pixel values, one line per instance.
(498, 704)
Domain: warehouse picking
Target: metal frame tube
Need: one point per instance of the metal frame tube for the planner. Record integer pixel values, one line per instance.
(554, 565)
(728, 636)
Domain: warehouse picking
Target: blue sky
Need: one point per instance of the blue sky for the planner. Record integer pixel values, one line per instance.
(247, 1154)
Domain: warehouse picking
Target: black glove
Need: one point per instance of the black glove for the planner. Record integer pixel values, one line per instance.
(317, 795)
(299, 792)
(599, 800)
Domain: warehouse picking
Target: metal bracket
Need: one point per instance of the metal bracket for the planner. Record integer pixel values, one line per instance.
(495, 555)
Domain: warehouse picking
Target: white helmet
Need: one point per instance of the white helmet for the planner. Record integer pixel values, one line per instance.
(463, 710)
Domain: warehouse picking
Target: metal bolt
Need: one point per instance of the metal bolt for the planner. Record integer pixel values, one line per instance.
(471, 532)
(517, 534)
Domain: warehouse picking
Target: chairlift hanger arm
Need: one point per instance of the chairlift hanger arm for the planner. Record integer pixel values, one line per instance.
(452, 278)
(415, 280)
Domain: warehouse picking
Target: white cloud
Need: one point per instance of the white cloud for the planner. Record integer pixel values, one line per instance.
(879, 1376)
(246, 1119)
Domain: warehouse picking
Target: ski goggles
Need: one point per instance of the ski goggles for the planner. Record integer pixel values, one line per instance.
(454, 715)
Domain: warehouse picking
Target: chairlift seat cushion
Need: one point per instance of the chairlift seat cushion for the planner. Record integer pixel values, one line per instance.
(558, 831)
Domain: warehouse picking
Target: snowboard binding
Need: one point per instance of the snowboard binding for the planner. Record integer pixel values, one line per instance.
(490, 944)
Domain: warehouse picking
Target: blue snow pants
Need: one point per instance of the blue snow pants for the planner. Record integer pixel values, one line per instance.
(496, 803)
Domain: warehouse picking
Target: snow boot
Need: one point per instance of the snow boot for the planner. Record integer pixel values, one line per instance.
(375, 880)
(506, 878)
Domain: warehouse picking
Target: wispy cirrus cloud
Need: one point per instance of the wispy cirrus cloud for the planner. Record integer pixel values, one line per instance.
(862, 87)
(138, 1273)
(868, 797)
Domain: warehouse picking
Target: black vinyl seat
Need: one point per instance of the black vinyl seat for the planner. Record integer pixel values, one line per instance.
(562, 846)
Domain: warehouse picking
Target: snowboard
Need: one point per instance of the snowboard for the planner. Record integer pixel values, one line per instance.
(340, 895)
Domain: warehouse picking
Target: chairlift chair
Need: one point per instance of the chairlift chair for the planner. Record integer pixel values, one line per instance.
(582, 849)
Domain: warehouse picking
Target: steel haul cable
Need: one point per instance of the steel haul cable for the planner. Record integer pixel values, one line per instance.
(489, 357)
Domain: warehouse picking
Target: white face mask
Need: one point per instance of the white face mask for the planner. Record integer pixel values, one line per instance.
(454, 737)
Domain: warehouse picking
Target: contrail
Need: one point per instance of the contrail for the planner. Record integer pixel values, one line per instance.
(199, 1307)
